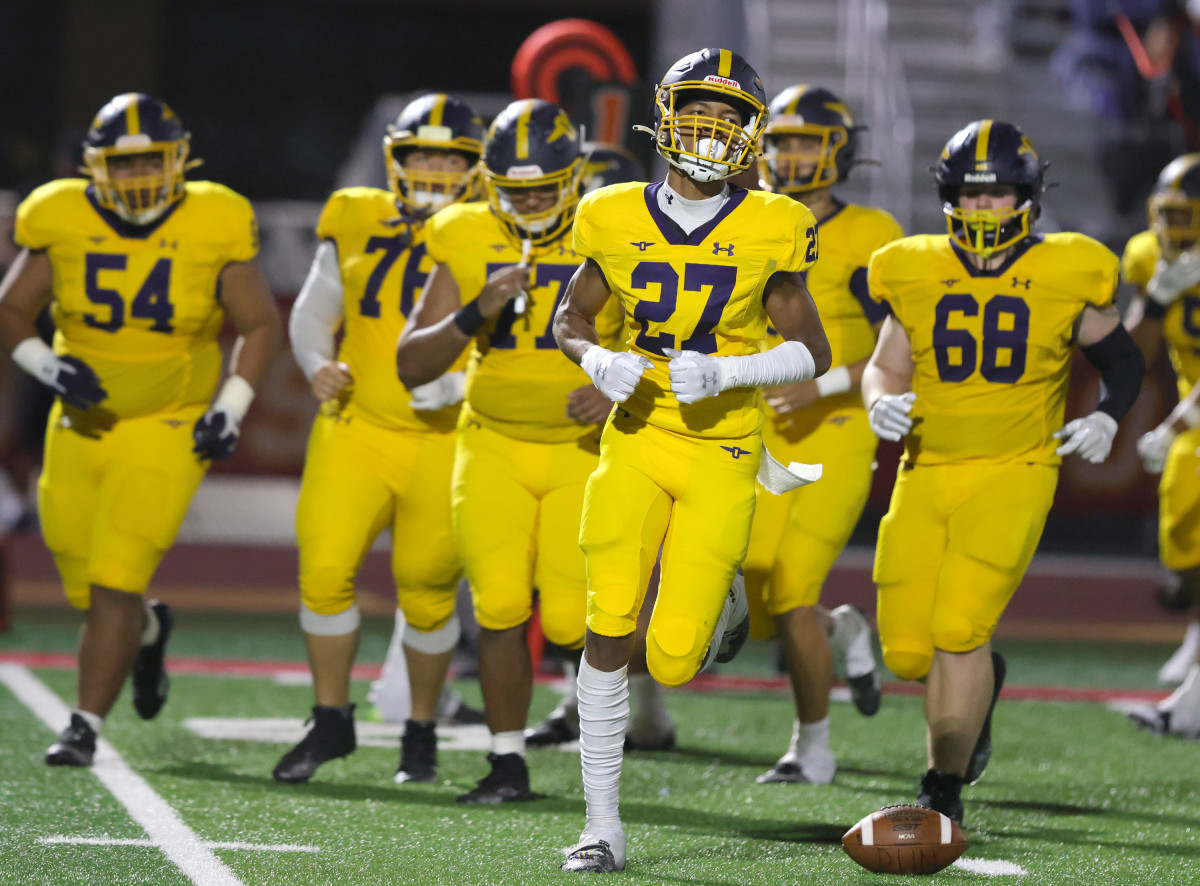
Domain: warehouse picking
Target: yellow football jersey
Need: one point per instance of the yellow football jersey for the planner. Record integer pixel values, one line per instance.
(140, 304)
(701, 292)
(383, 264)
(1181, 323)
(517, 379)
(838, 283)
(991, 350)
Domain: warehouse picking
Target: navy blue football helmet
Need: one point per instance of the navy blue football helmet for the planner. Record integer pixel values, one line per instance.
(818, 114)
(1174, 206)
(533, 146)
(130, 130)
(708, 148)
(606, 164)
(433, 122)
(990, 152)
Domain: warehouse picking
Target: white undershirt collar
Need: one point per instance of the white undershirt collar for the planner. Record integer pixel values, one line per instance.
(690, 214)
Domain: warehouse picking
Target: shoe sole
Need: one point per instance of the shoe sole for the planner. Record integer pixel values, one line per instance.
(149, 707)
(866, 694)
(983, 747)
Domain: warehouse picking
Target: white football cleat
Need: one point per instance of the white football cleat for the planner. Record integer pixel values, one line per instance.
(733, 625)
(597, 852)
(814, 765)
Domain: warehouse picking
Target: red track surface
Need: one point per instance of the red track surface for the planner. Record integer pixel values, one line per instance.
(703, 683)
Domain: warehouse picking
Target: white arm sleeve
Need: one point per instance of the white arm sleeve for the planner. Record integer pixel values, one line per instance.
(783, 364)
(317, 311)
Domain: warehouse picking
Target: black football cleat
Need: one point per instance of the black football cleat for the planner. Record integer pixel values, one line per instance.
(983, 746)
(331, 736)
(149, 676)
(646, 741)
(418, 752)
(76, 745)
(940, 792)
(558, 728)
(508, 782)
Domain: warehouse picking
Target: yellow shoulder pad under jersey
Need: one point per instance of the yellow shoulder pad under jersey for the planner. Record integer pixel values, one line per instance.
(1181, 322)
(517, 379)
(700, 292)
(139, 304)
(383, 265)
(991, 350)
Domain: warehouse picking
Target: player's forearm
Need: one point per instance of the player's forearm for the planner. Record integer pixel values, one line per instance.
(574, 333)
(317, 312)
(878, 380)
(424, 354)
(254, 349)
(15, 327)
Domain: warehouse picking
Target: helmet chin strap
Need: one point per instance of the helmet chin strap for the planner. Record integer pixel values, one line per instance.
(707, 167)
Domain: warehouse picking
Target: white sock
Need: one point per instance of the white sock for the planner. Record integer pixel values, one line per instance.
(570, 700)
(649, 709)
(150, 631)
(808, 735)
(603, 716)
(1184, 702)
(93, 720)
(509, 742)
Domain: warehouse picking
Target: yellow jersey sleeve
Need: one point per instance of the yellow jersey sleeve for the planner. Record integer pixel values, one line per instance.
(1140, 258)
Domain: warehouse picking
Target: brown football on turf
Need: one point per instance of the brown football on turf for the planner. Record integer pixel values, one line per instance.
(905, 840)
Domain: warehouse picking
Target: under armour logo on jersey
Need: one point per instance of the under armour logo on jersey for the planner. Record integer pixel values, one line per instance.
(499, 247)
(642, 245)
(838, 420)
(718, 249)
(949, 282)
(99, 239)
(737, 452)
(670, 199)
(1016, 283)
(173, 422)
(163, 243)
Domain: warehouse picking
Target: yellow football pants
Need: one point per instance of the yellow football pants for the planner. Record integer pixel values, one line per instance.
(952, 550)
(695, 498)
(1179, 505)
(111, 502)
(360, 479)
(517, 507)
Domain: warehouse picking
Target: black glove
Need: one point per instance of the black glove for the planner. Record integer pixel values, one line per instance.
(73, 380)
(215, 434)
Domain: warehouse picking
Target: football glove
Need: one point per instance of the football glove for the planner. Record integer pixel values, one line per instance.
(443, 391)
(614, 373)
(69, 377)
(1153, 447)
(1172, 279)
(694, 376)
(889, 415)
(1090, 436)
(216, 433)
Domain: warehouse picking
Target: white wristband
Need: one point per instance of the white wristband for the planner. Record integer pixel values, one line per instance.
(835, 381)
(1191, 416)
(235, 397)
(36, 357)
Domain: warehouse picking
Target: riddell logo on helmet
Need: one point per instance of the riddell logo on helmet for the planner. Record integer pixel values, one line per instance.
(979, 177)
(724, 81)
(533, 171)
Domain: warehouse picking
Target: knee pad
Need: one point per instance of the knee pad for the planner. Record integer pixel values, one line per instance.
(326, 590)
(954, 632)
(436, 642)
(345, 622)
(675, 650)
(502, 608)
(906, 664)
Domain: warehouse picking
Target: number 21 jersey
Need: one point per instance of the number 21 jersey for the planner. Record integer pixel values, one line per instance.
(700, 292)
(991, 349)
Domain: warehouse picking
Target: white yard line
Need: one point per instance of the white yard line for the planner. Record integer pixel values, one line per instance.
(162, 824)
(115, 841)
(990, 868)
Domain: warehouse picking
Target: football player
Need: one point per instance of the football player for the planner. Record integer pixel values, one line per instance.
(810, 144)
(1164, 264)
(379, 456)
(527, 436)
(139, 267)
(700, 268)
(971, 370)
(650, 728)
